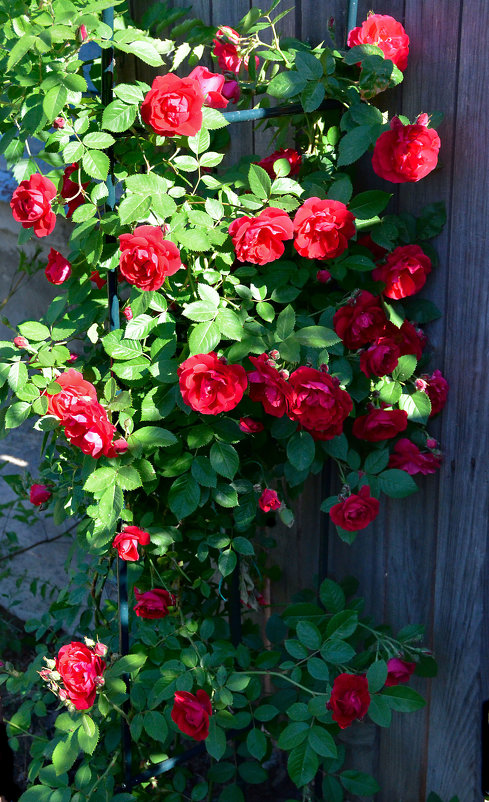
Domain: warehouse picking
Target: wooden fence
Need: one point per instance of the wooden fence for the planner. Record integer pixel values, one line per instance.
(425, 560)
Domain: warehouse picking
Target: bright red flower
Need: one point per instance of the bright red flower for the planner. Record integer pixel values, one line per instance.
(70, 190)
(250, 426)
(385, 32)
(226, 53)
(126, 542)
(362, 320)
(399, 671)
(380, 424)
(406, 153)
(408, 457)
(173, 106)
(209, 385)
(58, 269)
(81, 671)
(350, 699)
(211, 84)
(73, 388)
(436, 388)
(268, 386)
(87, 427)
(153, 603)
(322, 228)
(404, 272)
(318, 403)
(291, 155)
(381, 358)
(356, 511)
(39, 494)
(269, 500)
(191, 713)
(260, 239)
(31, 204)
(147, 258)
(231, 91)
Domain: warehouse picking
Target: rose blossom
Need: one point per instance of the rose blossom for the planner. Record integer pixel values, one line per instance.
(404, 272)
(250, 426)
(58, 269)
(73, 388)
(322, 228)
(436, 388)
(360, 321)
(406, 153)
(80, 669)
(147, 258)
(385, 32)
(227, 53)
(269, 500)
(87, 427)
(153, 603)
(126, 542)
(380, 424)
(289, 154)
(191, 713)
(350, 699)
(231, 91)
(260, 239)
(39, 494)
(31, 204)
(268, 386)
(399, 671)
(211, 84)
(356, 511)
(408, 338)
(173, 106)
(209, 385)
(59, 122)
(408, 457)
(70, 190)
(323, 276)
(20, 342)
(381, 358)
(318, 403)
(127, 312)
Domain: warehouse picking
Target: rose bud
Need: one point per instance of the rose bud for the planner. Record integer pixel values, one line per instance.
(39, 494)
(21, 342)
(269, 501)
(231, 91)
(126, 542)
(101, 649)
(250, 426)
(323, 276)
(127, 312)
(58, 269)
(399, 671)
(59, 122)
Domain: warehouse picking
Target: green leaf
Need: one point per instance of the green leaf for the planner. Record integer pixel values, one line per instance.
(127, 664)
(405, 368)
(151, 438)
(360, 52)
(379, 711)
(309, 635)
(200, 311)
(286, 84)
(17, 414)
(322, 742)
(312, 96)
(224, 459)
(343, 624)
(318, 669)
(128, 477)
(396, 483)
(259, 180)
(377, 675)
(54, 101)
(376, 461)
(225, 495)
(139, 327)
(100, 479)
(301, 450)
(337, 651)
(34, 331)
(213, 119)
(353, 145)
(356, 782)
(64, 754)
(256, 743)
(134, 207)
(19, 50)
(203, 472)
(308, 66)
(145, 51)
(417, 406)
(229, 324)
(302, 764)
(293, 734)
(98, 140)
(369, 204)
(227, 562)
(215, 742)
(204, 338)
(96, 164)
(118, 116)
(389, 391)
(17, 376)
(285, 323)
(88, 735)
(431, 221)
(184, 496)
(317, 336)
(332, 596)
(155, 725)
(403, 699)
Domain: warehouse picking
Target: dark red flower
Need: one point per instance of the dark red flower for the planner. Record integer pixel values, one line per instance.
(211, 84)
(191, 713)
(289, 154)
(356, 511)
(126, 542)
(209, 385)
(73, 388)
(381, 358)
(408, 457)
(318, 403)
(147, 258)
(268, 386)
(39, 494)
(58, 269)
(153, 603)
(399, 671)
(250, 426)
(71, 190)
(436, 388)
(269, 500)
(404, 272)
(350, 699)
(380, 424)
(81, 671)
(360, 321)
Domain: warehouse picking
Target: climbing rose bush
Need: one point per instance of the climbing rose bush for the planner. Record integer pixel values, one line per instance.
(234, 327)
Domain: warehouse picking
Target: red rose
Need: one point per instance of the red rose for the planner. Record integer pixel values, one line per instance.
(380, 424)
(126, 542)
(436, 388)
(407, 457)
(322, 228)
(209, 385)
(59, 122)
(231, 91)
(406, 153)
(323, 276)
(39, 494)
(191, 713)
(291, 155)
(211, 84)
(260, 239)
(71, 191)
(404, 272)
(226, 52)
(361, 321)
(381, 358)
(250, 426)
(408, 338)
(269, 501)
(376, 250)
(58, 269)
(318, 403)
(20, 342)
(81, 671)
(127, 312)
(356, 511)
(399, 671)
(173, 106)
(31, 204)
(153, 603)
(87, 427)
(349, 699)
(147, 258)
(386, 33)
(268, 386)
(73, 388)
